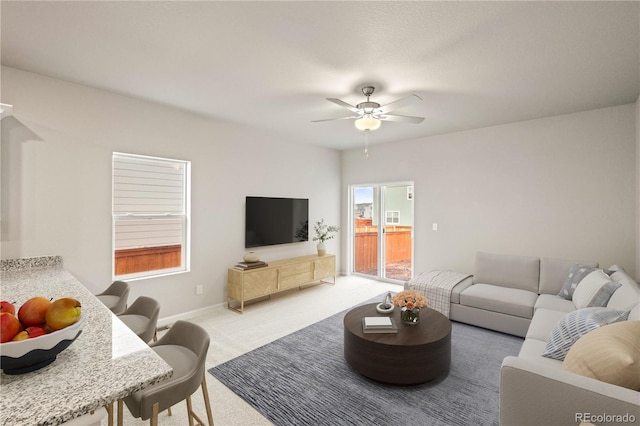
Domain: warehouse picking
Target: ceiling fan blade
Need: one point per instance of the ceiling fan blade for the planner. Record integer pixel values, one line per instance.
(400, 103)
(401, 118)
(344, 104)
(337, 118)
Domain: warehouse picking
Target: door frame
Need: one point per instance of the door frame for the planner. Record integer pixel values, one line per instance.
(381, 235)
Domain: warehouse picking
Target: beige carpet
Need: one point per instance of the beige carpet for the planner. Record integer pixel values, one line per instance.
(233, 334)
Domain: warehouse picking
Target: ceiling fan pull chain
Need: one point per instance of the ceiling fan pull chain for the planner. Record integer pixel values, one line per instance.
(366, 144)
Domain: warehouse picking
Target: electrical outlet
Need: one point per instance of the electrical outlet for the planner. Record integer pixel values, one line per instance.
(434, 226)
(198, 289)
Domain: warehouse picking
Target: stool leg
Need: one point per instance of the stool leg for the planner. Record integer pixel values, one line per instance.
(109, 408)
(189, 410)
(207, 403)
(154, 415)
(120, 412)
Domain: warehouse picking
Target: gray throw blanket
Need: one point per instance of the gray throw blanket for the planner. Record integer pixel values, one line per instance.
(437, 287)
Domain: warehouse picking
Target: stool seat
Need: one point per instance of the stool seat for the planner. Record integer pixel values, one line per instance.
(142, 317)
(137, 323)
(182, 360)
(108, 300)
(115, 297)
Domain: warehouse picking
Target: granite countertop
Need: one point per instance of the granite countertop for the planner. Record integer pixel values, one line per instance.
(105, 363)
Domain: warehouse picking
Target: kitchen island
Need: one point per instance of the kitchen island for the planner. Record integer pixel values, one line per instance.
(105, 363)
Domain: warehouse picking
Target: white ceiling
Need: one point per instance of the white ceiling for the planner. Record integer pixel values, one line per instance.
(270, 65)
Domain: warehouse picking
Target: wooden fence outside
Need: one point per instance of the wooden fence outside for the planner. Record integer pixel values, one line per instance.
(398, 249)
(398, 246)
(130, 261)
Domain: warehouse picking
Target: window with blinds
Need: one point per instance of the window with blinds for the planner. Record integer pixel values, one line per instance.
(150, 215)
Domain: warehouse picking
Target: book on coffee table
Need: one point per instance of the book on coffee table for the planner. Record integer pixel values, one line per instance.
(378, 325)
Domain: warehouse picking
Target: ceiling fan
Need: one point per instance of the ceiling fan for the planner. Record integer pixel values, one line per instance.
(369, 115)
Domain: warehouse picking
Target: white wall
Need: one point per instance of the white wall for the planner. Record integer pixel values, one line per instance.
(562, 187)
(638, 189)
(56, 182)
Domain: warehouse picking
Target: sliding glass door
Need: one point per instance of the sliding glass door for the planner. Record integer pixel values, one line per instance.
(382, 230)
(365, 230)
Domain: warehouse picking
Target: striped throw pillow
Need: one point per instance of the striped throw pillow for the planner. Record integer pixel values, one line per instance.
(575, 325)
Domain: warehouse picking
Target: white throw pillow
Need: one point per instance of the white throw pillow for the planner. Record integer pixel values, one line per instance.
(589, 287)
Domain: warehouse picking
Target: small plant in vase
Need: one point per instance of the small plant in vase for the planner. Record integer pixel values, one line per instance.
(324, 232)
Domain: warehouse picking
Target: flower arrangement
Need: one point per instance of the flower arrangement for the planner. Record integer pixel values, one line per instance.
(324, 232)
(410, 299)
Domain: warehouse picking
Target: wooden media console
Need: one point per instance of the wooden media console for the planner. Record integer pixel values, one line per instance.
(279, 275)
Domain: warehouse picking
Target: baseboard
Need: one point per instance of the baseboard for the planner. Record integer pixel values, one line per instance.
(167, 321)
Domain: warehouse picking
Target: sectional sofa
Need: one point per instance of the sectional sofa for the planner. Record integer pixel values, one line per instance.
(555, 304)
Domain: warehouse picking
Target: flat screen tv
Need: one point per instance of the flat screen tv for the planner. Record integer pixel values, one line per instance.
(270, 221)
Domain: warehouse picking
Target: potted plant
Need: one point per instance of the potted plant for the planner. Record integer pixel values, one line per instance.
(324, 232)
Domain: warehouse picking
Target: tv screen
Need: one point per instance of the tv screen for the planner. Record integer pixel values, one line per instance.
(270, 221)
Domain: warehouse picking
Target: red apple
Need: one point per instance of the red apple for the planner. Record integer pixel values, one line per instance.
(34, 311)
(35, 332)
(7, 307)
(9, 327)
(29, 333)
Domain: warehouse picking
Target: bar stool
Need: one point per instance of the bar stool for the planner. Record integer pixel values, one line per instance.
(115, 297)
(142, 318)
(184, 347)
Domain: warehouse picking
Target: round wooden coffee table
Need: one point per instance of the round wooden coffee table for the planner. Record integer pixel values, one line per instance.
(416, 354)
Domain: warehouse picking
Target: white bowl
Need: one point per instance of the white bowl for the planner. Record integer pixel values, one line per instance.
(31, 354)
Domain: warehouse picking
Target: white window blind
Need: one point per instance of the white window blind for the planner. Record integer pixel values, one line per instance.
(149, 202)
(148, 186)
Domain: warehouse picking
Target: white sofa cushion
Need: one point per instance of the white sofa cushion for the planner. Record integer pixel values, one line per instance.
(459, 288)
(533, 349)
(591, 287)
(511, 301)
(576, 324)
(554, 303)
(543, 323)
(628, 295)
(520, 272)
(635, 313)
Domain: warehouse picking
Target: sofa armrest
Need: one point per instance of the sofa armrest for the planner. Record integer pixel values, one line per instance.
(535, 393)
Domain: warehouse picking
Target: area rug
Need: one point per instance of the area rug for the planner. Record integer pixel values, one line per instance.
(303, 379)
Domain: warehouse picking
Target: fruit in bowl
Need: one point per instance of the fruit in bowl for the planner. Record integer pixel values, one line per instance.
(9, 326)
(33, 311)
(28, 346)
(7, 307)
(29, 333)
(62, 313)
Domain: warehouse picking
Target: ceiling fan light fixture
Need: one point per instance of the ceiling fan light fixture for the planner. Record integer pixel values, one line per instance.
(368, 123)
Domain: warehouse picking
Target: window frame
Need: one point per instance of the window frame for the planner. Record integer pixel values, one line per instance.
(185, 218)
(394, 215)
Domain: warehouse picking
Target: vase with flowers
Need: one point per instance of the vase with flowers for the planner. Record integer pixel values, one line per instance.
(324, 232)
(410, 302)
